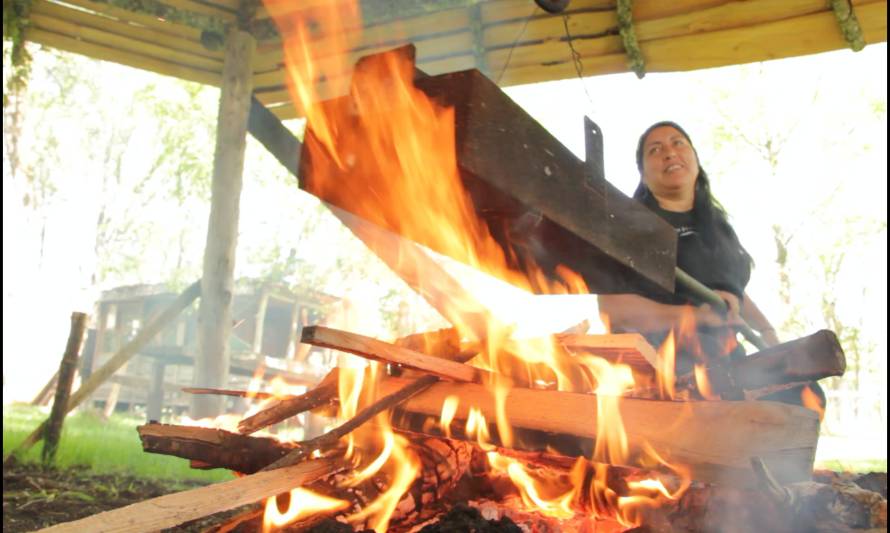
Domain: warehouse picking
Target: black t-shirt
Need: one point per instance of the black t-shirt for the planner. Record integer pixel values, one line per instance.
(724, 266)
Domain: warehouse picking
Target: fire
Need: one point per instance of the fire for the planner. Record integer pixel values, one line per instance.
(811, 401)
(667, 354)
(387, 154)
(449, 409)
(703, 384)
(302, 503)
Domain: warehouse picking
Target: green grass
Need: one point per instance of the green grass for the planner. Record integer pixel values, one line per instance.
(854, 465)
(105, 447)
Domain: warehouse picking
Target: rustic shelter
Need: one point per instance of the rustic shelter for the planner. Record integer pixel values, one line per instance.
(234, 44)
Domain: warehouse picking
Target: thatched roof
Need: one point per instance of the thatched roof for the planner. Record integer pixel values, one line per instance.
(512, 41)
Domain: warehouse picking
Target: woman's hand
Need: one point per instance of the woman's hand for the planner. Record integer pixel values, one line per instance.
(732, 303)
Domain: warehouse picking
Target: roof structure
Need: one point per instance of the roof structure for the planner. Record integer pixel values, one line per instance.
(511, 41)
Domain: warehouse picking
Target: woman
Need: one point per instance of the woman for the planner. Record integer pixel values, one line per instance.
(675, 187)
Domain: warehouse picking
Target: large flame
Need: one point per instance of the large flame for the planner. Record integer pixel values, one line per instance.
(387, 153)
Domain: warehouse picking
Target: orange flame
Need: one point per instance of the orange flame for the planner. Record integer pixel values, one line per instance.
(303, 503)
(703, 384)
(667, 354)
(811, 400)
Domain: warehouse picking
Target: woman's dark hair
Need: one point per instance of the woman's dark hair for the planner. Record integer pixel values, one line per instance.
(709, 216)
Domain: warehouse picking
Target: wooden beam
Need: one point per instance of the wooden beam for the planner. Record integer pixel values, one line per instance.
(714, 440)
(173, 509)
(138, 32)
(108, 53)
(217, 284)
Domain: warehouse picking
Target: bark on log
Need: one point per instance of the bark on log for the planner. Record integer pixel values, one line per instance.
(173, 509)
(215, 448)
(714, 440)
(67, 368)
(810, 358)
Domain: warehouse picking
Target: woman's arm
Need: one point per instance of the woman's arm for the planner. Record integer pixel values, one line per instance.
(757, 320)
(636, 313)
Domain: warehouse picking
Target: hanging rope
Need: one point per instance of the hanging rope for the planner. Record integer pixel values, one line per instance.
(849, 24)
(629, 38)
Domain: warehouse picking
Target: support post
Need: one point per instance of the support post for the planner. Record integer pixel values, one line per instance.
(67, 368)
(217, 284)
(154, 408)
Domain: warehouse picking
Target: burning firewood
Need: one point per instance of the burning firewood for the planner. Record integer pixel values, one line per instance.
(216, 448)
(324, 393)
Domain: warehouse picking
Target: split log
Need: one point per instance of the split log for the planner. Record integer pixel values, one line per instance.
(390, 353)
(714, 440)
(215, 448)
(810, 358)
(173, 509)
(324, 393)
(67, 368)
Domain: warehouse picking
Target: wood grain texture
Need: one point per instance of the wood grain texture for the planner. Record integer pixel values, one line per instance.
(173, 509)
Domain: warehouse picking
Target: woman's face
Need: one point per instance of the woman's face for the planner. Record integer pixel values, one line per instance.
(670, 166)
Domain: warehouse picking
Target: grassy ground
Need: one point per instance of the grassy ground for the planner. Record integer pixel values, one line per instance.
(103, 447)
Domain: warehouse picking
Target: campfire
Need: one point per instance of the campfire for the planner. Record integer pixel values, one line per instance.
(553, 431)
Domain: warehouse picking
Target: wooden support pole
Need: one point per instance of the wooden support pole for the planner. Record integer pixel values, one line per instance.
(217, 288)
(155, 405)
(67, 368)
(173, 509)
(118, 359)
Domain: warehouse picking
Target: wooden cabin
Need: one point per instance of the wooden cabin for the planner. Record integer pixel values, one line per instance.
(267, 322)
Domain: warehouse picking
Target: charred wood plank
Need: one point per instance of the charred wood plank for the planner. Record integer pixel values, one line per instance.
(536, 198)
(324, 393)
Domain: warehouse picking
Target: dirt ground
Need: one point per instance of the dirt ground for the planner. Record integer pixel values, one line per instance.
(35, 497)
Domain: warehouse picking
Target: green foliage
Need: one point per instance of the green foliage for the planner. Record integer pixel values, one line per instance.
(106, 447)
(15, 53)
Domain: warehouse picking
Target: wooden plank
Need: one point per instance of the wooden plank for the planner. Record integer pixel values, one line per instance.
(124, 29)
(135, 60)
(787, 38)
(549, 29)
(631, 349)
(119, 42)
(217, 283)
(726, 16)
(225, 14)
(532, 168)
(714, 440)
(510, 10)
(389, 353)
(427, 50)
(173, 509)
(142, 19)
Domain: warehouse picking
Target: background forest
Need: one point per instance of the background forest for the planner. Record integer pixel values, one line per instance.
(106, 182)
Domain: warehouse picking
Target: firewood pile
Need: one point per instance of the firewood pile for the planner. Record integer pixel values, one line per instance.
(687, 464)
